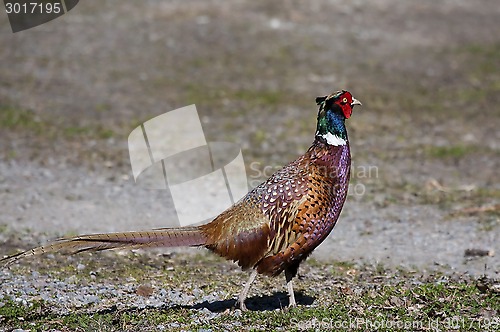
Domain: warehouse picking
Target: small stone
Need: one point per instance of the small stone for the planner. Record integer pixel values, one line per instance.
(478, 252)
(92, 299)
(144, 290)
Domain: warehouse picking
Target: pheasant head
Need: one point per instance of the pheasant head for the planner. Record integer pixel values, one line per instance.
(333, 110)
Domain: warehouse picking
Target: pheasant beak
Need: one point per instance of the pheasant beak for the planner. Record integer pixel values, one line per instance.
(355, 102)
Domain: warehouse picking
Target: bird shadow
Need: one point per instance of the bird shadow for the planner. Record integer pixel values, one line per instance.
(278, 300)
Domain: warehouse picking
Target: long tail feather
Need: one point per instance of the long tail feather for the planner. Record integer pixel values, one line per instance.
(166, 237)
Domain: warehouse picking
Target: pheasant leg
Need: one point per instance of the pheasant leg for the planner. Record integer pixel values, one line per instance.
(289, 285)
(244, 293)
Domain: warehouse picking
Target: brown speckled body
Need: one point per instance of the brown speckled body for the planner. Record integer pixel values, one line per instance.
(280, 222)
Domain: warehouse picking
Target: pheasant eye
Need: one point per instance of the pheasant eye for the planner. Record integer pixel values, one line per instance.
(344, 100)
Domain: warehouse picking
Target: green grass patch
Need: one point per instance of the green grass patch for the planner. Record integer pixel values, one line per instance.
(12, 311)
(18, 119)
(453, 151)
(342, 296)
(450, 306)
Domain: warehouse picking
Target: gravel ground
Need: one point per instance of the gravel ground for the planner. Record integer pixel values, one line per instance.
(426, 72)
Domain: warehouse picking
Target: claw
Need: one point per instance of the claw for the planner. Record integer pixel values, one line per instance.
(242, 306)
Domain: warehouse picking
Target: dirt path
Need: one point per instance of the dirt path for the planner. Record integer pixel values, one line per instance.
(427, 73)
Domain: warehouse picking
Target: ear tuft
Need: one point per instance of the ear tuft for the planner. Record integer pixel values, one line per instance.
(320, 100)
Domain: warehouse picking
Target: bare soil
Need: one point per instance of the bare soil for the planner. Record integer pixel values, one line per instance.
(425, 144)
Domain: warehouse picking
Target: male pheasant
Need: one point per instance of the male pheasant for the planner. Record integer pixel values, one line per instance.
(276, 225)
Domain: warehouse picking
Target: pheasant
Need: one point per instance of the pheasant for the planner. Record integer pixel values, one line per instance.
(276, 225)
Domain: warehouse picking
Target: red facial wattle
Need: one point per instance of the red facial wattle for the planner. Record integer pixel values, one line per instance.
(347, 109)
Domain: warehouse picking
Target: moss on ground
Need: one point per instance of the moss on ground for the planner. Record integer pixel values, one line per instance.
(28, 122)
(341, 296)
